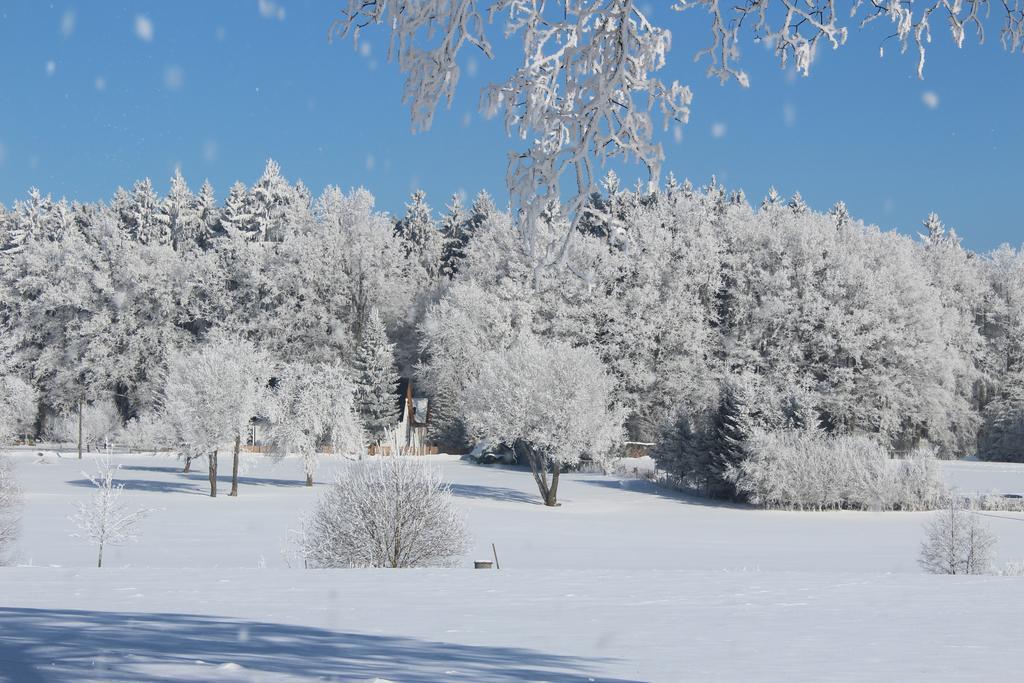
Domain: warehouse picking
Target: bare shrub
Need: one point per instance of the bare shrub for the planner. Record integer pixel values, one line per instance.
(957, 542)
(387, 512)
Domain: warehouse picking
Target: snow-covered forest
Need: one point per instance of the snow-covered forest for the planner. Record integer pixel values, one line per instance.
(712, 317)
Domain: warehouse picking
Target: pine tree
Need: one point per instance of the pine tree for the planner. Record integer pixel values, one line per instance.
(840, 214)
(672, 186)
(208, 214)
(140, 215)
(772, 200)
(453, 228)
(730, 429)
(934, 231)
(237, 217)
(797, 205)
(178, 213)
(271, 198)
(377, 379)
(421, 237)
(482, 209)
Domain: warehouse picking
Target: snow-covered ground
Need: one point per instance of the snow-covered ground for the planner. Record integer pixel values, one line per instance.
(623, 582)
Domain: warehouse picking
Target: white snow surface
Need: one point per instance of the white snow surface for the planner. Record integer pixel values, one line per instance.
(624, 581)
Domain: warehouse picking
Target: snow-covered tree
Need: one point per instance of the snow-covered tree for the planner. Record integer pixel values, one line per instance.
(957, 542)
(92, 424)
(797, 204)
(141, 216)
(19, 406)
(376, 380)
(210, 396)
(386, 512)
(148, 432)
(586, 85)
(311, 407)
(10, 504)
(455, 237)
(238, 217)
(422, 239)
(179, 214)
(104, 519)
(552, 403)
(208, 215)
(732, 425)
(840, 214)
(270, 200)
(1002, 433)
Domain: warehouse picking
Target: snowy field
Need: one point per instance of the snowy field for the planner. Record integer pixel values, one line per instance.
(623, 582)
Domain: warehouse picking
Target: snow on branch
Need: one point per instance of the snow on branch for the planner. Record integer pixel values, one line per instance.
(794, 29)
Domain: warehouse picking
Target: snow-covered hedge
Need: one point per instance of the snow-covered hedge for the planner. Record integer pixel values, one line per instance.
(810, 470)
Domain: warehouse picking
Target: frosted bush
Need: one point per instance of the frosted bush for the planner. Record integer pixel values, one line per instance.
(807, 469)
(957, 542)
(1012, 569)
(10, 501)
(387, 512)
(148, 432)
(100, 422)
(18, 403)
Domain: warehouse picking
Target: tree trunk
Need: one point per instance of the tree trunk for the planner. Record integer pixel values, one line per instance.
(234, 466)
(309, 479)
(539, 469)
(188, 464)
(80, 430)
(99, 562)
(213, 474)
(552, 499)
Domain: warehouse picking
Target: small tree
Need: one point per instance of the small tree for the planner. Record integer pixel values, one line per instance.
(387, 512)
(957, 543)
(550, 402)
(104, 519)
(312, 406)
(211, 395)
(376, 378)
(10, 502)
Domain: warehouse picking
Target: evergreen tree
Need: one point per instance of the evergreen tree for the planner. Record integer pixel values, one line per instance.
(453, 228)
(934, 231)
(772, 200)
(420, 234)
(178, 213)
(376, 380)
(840, 214)
(731, 426)
(139, 217)
(797, 205)
(271, 197)
(237, 217)
(208, 214)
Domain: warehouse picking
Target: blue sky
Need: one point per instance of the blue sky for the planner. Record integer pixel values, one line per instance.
(97, 94)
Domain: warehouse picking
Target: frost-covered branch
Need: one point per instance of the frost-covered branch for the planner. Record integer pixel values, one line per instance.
(587, 90)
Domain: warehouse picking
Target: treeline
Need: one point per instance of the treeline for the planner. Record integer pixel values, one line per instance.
(715, 318)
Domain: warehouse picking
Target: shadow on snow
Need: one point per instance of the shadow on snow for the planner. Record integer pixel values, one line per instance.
(494, 493)
(50, 644)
